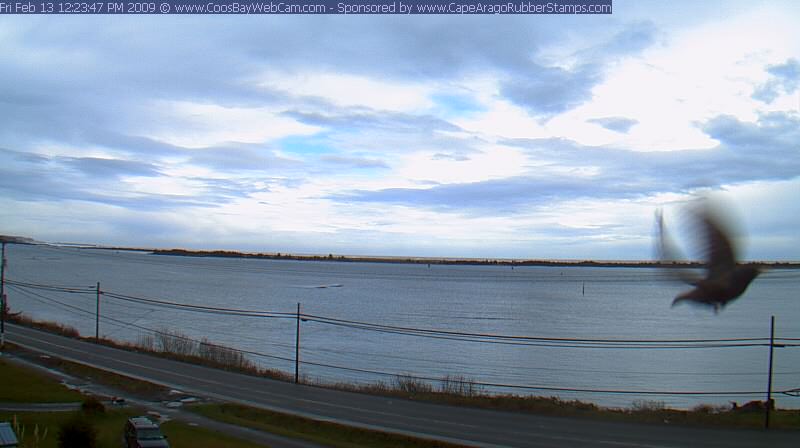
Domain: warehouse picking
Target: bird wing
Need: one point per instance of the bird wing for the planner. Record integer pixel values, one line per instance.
(668, 252)
(720, 253)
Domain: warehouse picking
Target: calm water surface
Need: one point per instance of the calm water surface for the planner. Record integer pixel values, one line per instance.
(574, 302)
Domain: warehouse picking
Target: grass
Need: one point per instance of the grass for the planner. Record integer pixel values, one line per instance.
(182, 435)
(136, 388)
(23, 385)
(711, 416)
(327, 433)
(171, 345)
(109, 424)
(461, 391)
(109, 427)
(457, 391)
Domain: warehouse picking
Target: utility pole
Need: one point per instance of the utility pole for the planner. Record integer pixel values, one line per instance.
(3, 297)
(769, 381)
(97, 316)
(297, 349)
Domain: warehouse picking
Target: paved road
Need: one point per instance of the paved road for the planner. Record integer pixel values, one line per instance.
(454, 424)
(240, 432)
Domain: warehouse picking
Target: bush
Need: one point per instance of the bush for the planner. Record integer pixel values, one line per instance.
(460, 385)
(77, 433)
(92, 405)
(709, 409)
(648, 406)
(411, 385)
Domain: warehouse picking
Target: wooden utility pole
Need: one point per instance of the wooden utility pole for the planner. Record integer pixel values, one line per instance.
(769, 381)
(297, 349)
(3, 297)
(97, 316)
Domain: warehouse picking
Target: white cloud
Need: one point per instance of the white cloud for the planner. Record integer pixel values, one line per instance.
(407, 153)
(502, 119)
(492, 163)
(352, 90)
(698, 73)
(197, 125)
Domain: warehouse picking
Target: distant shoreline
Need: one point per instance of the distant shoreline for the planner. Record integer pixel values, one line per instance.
(449, 261)
(402, 260)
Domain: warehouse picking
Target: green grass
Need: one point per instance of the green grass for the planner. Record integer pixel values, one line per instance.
(109, 427)
(136, 388)
(329, 434)
(24, 385)
(21, 384)
(182, 435)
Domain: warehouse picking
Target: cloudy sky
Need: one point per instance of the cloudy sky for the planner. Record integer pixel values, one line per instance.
(475, 136)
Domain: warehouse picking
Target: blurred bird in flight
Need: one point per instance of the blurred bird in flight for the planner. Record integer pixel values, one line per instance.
(725, 280)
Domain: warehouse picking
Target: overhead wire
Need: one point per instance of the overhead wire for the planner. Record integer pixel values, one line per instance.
(140, 327)
(537, 341)
(201, 308)
(20, 289)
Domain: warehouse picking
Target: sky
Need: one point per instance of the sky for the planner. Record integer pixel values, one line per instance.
(507, 136)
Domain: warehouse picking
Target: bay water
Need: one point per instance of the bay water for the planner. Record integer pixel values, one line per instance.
(597, 303)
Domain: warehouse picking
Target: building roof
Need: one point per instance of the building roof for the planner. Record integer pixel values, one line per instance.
(143, 422)
(7, 435)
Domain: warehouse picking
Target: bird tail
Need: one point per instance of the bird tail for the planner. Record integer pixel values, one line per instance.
(677, 301)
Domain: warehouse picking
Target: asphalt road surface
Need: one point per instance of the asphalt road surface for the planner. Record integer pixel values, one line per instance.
(465, 426)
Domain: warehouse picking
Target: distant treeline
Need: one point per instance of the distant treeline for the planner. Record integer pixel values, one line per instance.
(15, 239)
(444, 261)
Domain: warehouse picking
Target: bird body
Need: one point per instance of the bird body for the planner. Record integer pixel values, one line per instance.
(718, 291)
(725, 279)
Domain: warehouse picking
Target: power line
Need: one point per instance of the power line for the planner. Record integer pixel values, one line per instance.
(200, 308)
(540, 341)
(546, 388)
(40, 297)
(176, 305)
(421, 378)
(323, 351)
(151, 330)
(438, 333)
(133, 325)
(69, 289)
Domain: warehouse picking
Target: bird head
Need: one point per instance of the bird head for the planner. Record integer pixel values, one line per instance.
(745, 274)
(751, 271)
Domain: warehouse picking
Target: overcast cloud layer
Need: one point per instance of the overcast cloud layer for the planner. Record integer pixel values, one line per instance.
(494, 136)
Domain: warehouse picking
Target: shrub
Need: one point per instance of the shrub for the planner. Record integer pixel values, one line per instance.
(37, 438)
(460, 385)
(709, 409)
(53, 327)
(648, 406)
(92, 405)
(77, 433)
(411, 385)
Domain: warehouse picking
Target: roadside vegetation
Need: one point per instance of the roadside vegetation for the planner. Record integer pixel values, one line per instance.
(23, 385)
(171, 345)
(452, 390)
(460, 391)
(44, 429)
(325, 433)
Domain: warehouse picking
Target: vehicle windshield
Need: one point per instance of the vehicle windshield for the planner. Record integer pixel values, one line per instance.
(149, 434)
